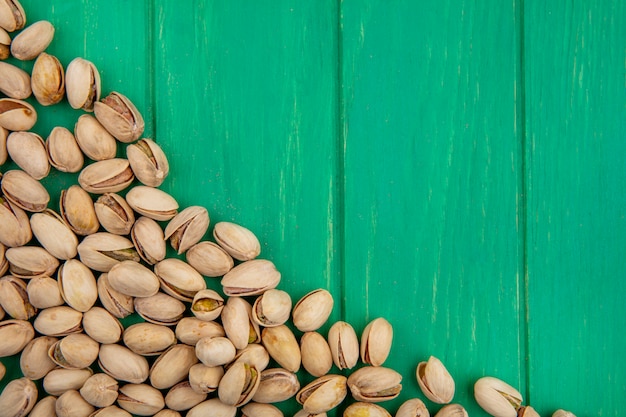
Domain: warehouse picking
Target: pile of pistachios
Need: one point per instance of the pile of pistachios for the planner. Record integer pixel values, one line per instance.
(73, 275)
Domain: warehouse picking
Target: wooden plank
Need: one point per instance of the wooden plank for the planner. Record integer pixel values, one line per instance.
(433, 173)
(576, 118)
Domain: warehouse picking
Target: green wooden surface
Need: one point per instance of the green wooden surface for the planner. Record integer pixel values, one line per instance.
(453, 166)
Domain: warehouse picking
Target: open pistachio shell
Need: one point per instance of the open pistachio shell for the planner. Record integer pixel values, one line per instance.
(179, 279)
(323, 394)
(14, 298)
(43, 292)
(114, 214)
(435, 381)
(12, 16)
(107, 176)
(172, 366)
(362, 409)
(272, 308)
(140, 399)
(76, 208)
(148, 239)
(120, 117)
(14, 82)
(160, 309)
(209, 259)
(374, 384)
(18, 398)
(187, 228)
(102, 326)
(74, 351)
(376, 342)
(54, 234)
(61, 380)
(93, 139)
(456, 410)
(182, 397)
(282, 346)
(82, 84)
(5, 44)
(207, 305)
(148, 162)
(277, 384)
(63, 151)
(253, 354)
(152, 202)
(77, 285)
(34, 360)
(31, 262)
(344, 345)
(102, 251)
(32, 41)
(17, 114)
(58, 321)
(24, 191)
(148, 339)
(497, 397)
(116, 303)
(4, 266)
(239, 242)
(413, 408)
(47, 80)
(190, 330)
(205, 379)
(563, 413)
(15, 227)
(251, 278)
(14, 336)
(123, 364)
(239, 384)
(28, 151)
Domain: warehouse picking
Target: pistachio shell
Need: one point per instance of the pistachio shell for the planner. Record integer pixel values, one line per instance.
(563, 413)
(187, 228)
(43, 292)
(497, 397)
(12, 16)
(182, 397)
(167, 413)
(312, 310)
(148, 162)
(93, 139)
(207, 305)
(5, 44)
(58, 321)
(82, 84)
(152, 202)
(413, 408)
(14, 82)
(374, 384)
(72, 404)
(14, 298)
(251, 278)
(74, 351)
(34, 360)
(3, 142)
(116, 303)
(44, 407)
(435, 381)
(63, 151)
(148, 339)
(54, 234)
(209, 259)
(376, 342)
(260, 410)
(77, 285)
(123, 364)
(100, 390)
(191, 329)
(282, 346)
(102, 251)
(160, 309)
(527, 411)
(17, 114)
(452, 410)
(18, 397)
(31, 262)
(148, 239)
(239, 242)
(15, 227)
(236, 322)
(140, 399)
(133, 279)
(344, 345)
(323, 394)
(102, 326)
(239, 384)
(304, 413)
(28, 151)
(361, 409)
(213, 407)
(61, 380)
(24, 191)
(277, 384)
(179, 279)
(107, 176)
(120, 117)
(14, 336)
(316, 356)
(205, 379)
(32, 41)
(47, 80)
(253, 354)
(114, 214)
(272, 308)
(110, 411)
(215, 351)
(172, 366)
(76, 208)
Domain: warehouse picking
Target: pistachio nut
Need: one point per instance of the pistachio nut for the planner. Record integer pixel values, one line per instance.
(140, 399)
(34, 360)
(14, 82)
(44, 292)
(31, 262)
(14, 336)
(148, 238)
(252, 277)
(148, 339)
(413, 408)
(102, 251)
(14, 298)
(133, 279)
(116, 303)
(18, 397)
(58, 321)
(374, 384)
(237, 324)
(100, 390)
(152, 202)
(527, 411)
(77, 285)
(239, 384)
(5, 44)
(111, 411)
(212, 407)
(72, 404)
(209, 259)
(12, 16)
(102, 326)
(172, 366)
(44, 407)
(32, 41)
(107, 176)
(148, 162)
(452, 410)
(28, 151)
(253, 354)
(182, 397)
(54, 234)
(120, 117)
(282, 346)
(82, 84)
(123, 364)
(60, 380)
(17, 114)
(239, 242)
(344, 345)
(190, 330)
(74, 351)
(272, 308)
(563, 413)
(187, 228)
(15, 227)
(497, 397)
(93, 139)
(312, 310)
(179, 279)
(24, 191)
(316, 356)
(63, 151)
(323, 393)
(215, 351)
(260, 410)
(205, 379)
(160, 309)
(277, 384)
(362, 409)
(435, 381)
(76, 208)
(47, 80)
(207, 305)
(114, 214)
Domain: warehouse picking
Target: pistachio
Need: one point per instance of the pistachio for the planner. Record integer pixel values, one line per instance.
(316, 356)
(31, 262)
(277, 384)
(205, 379)
(361, 409)
(15, 228)
(107, 176)
(167, 413)
(14, 82)
(344, 345)
(282, 346)
(527, 411)
(114, 214)
(5, 44)
(207, 305)
(93, 139)
(82, 84)
(14, 298)
(152, 202)
(47, 80)
(374, 384)
(236, 322)
(14, 336)
(18, 397)
(54, 234)
(209, 259)
(3, 371)
(63, 151)
(43, 292)
(148, 339)
(24, 191)
(253, 354)
(102, 326)
(413, 408)
(452, 410)
(120, 117)
(148, 239)
(32, 41)
(435, 381)
(182, 397)
(563, 413)
(239, 242)
(3, 143)
(61, 380)
(497, 397)
(215, 351)
(123, 364)
(272, 308)
(76, 208)
(74, 351)
(304, 413)
(251, 278)
(12, 16)
(312, 310)
(260, 410)
(111, 411)
(179, 279)
(133, 279)
(58, 321)
(44, 407)
(323, 394)
(28, 151)
(100, 390)
(17, 114)
(191, 329)
(239, 384)
(77, 285)
(34, 360)
(212, 407)
(187, 228)
(172, 366)
(160, 309)
(140, 399)
(72, 404)
(116, 303)
(102, 251)
(148, 162)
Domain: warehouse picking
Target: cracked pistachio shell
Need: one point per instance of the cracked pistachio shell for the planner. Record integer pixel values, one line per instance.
(527, 411)
(34, 360)
(102, 326)
(14, 336)
(18, 398)
(12, 15)
(32, 41)
(93, 139)
(114, 214)
(237, 323)
(77, 285)
(207, 305)
(160, 309)
(82, 84)
(148, 162)
(253, 354)
(24, 191)
(452, 410)
(123, 364)
(3, 145)
(76, 208)
(182, 397)
(497, 397)
(376, 342)
(272, 308)
(148, 339)
(14, 82)
(374, 384)
(15, 227)
(312, 310)
(152, 202)
(252, 277)
(16, 115)
(563, 413)
(172, 366)
(239, 242)
(31, 262)
(316, 356)
(107, 176)
(282, 346)
(190, 330)
(99, 390)
(215, 351)
(435, 381)
(14, 298)
(44, 407)
(5, 44)
(116, 303)
(344, 345)
(47, 80)
(133, 279)
(44, 292)
(140, 399)
(260, 410)
(148, 239)
(239, 384)
(323, 394)
(74, 351)
(110, 411)
(54, 234)
(209, 259)
(187, 228)
(58, 321)
(277, 384)
(72, 404)
(28, 151)
(304, 413)
(413, 408)
(102, 251)
(362, 409)
(205, 379)
(179, 279)
(60, 380)
(212, 407)
(63, 151)
(120, 117)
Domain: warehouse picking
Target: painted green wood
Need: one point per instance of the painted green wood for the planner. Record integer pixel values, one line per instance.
(576, 153)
